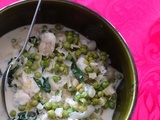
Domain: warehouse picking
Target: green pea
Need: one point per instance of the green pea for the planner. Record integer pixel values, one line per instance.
(88, 69)
(52, 55)
(51, 114)
(95, 55)
(84, 94)
(69, 33)
(58, 26)
(27, 70)
(25, 54)
(84, 101)
(37, 96)
(106, 105)
(75, 107)
(72, 88)
(96, 85)
(75, 39)
(111, 104)
(82, 108)
(48, 106)
(13, 113)
(60, 58)
(46, 63)
(83, 50)
(21, 107)
(28, 63)
(37, 74)
(103, 58)
(66, 45)
(34, 103)
(100, 94)
(34, 67)
(77, 97)
(56, 79)
(78, 53)
(65, 114)
(95, 101)
(61, 69)
(66, 70)
(114, 96)
(105, 84)
(37, 57)
(54, 105)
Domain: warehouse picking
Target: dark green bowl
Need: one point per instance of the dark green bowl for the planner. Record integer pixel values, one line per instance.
(90, 25)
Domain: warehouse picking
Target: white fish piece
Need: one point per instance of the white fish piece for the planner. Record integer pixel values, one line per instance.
(82, 63)
(47, 44)
(80, 115)
(40, 106)
(92, 45)
(29, 86)
(90, 90)
(59, 112)
(21, 98)
(71, 102)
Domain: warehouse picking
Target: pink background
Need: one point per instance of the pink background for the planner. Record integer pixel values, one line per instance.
(139, 23)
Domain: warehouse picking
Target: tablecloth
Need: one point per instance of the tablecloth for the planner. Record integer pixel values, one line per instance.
(139, 23)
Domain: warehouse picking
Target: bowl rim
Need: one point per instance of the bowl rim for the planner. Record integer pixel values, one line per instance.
(128, 51)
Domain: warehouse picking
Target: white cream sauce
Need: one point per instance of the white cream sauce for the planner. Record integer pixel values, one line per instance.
(9, 50)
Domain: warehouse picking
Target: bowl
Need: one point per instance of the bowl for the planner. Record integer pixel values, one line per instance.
(89, 24)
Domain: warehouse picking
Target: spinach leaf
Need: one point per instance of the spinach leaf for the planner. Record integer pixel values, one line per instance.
(45, 86)
(77, 72)
(10, 75)
(22, 116)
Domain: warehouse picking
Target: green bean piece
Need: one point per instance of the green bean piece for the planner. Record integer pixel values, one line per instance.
(56, 78)
(34, 103)
(21, 107)
(51, 114)
(66, 45)
(28, 63)
(43, 101)
(66, 70)
(37, 75)
(69, 57)
(96, 85)
(95, 101)
(114, 96)
(13, 113)
(77, 53)
(27, 70)
(88, 69)
(82, 108)
(48, 106)
(58, 26)
(34, 67)
(111, 104)
(32, 55)
(70, 110)
(54, 105)
(105, 84)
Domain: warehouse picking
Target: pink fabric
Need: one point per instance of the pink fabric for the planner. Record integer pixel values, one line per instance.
(139, 23)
